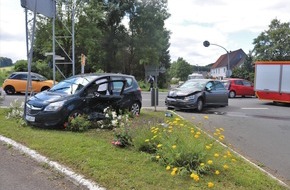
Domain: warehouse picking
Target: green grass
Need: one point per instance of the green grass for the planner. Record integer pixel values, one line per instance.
(92, 155)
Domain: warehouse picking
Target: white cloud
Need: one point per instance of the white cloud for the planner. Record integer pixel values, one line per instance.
(12, 30)
(232, 24)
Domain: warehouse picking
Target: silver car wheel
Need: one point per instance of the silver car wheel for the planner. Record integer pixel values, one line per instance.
(232, 94)
(199, 105)
(135, 108)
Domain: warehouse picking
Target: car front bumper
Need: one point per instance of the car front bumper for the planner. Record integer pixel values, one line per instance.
(180, 103)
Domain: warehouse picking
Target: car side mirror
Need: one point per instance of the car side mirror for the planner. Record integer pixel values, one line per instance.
(208, 89)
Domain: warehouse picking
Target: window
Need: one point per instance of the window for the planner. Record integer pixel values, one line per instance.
(238, 82)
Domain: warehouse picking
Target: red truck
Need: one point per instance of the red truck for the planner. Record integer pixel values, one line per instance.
(272, 81)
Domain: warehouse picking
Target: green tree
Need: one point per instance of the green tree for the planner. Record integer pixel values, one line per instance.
(180, 69)
(246, 71)
(149, 39)
(5, 62)
(274, 43)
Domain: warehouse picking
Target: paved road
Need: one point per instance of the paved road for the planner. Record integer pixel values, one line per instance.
(20, 172)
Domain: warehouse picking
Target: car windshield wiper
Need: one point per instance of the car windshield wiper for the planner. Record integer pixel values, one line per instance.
(53, 90)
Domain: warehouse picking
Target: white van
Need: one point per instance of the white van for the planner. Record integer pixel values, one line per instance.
(195, 76)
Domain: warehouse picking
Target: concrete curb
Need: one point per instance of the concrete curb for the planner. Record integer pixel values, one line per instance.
(79, 179)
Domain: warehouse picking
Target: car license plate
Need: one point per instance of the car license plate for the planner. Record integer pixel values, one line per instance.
(30, 118)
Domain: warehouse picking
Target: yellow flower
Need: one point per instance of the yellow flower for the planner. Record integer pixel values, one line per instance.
(198, 132)
(169, 131)
(226, 167)
(217, 172)
(216, 155)
(173, 146)
(157, 157)
(194, 176)
(209, 162)
(221, 137)
(147, 140)
(201, 164)
(222, 129)
(205, 117)
(177, 119)
(234, 160)
(173, 173)
(208, 147)
(181, 125)
(159, 145)
(168, 168)
(196, 136)
(175, 169)
(210, 184)
(192, 131)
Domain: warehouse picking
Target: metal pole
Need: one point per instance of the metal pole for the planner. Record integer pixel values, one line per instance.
(53, 48)
(228, 67)
(73, 37)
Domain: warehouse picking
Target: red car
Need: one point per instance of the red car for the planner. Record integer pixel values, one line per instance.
(239, 87)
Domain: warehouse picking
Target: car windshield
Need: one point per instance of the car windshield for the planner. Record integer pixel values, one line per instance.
(72, 85)
(197, 84)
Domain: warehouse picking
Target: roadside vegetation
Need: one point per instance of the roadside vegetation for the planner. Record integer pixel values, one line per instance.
(155, 150)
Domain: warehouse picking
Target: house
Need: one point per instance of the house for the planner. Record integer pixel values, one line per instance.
(220, 68)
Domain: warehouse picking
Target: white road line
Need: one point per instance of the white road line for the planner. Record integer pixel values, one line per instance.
(254, 108)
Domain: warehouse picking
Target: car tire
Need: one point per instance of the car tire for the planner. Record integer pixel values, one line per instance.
(9, 90)
(232, 94)
(199, 107)
(45, 88)
(135, 108)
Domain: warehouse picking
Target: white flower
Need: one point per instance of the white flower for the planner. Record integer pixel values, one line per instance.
(114, 115)
(114, 123)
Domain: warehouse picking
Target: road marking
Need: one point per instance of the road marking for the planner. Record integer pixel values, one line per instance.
(254, 108)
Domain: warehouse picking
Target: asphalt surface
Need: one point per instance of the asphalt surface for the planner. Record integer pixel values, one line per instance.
(19, 171)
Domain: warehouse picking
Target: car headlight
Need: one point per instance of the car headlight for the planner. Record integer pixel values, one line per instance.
(54, 106)
(191, 97)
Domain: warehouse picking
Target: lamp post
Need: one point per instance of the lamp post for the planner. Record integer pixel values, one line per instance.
(206, 44)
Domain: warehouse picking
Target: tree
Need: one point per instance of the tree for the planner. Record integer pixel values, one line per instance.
(5, 62)
(180, 69)
(273, 44)
(246, 71)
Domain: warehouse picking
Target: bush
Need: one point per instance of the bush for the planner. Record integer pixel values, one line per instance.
(79, 123)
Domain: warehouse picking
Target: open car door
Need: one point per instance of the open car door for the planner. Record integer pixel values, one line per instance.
(101, 94)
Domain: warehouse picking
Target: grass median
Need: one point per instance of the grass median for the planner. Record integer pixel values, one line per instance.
(92, 154)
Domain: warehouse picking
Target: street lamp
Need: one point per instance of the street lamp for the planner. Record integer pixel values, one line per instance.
(206, 44)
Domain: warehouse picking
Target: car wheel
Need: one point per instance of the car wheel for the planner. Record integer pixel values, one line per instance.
(135, 108)
(199, 107)
(44, 88)
(232, 94)
(9, 90)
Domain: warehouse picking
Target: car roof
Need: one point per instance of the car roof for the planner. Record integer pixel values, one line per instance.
(203, 80)
(102, 74)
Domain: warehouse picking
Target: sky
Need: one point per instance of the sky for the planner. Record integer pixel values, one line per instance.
(232, 24)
